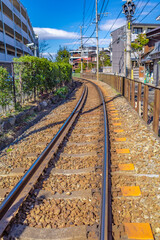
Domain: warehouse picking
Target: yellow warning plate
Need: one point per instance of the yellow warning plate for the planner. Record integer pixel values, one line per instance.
(115, 118)
(113, 114)
(118, 130)
(138, 231)
(117, 124)
(120, 139)
(126, 167)
(131, 191)
(122, 151)
(113, 111)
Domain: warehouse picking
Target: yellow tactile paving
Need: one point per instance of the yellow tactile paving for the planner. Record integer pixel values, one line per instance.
(118, 130)
(120, 139)
(126, 167)
(117, 124)
(122, 150)
(138, 231)
(131, 191)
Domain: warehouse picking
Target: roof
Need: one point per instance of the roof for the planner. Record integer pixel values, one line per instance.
(155, 33)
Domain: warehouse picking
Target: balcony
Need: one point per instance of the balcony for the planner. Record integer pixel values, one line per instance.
(8, 4)
(19, 45)
(23, 20)
(2, 57)
(9, 40)
(8, 21)
(1, 37)
(9, 58)
(28, 50)
(16, 11)
(24, 34)
(17, 29)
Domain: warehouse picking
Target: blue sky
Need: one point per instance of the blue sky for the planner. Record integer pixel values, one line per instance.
(58, 21)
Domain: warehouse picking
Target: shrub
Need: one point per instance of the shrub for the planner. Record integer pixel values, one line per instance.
(5, 88)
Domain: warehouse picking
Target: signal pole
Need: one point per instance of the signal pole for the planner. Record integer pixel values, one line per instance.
(97, 19)
(128, 9)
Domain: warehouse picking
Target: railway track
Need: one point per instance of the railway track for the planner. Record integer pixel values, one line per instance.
(64, 194)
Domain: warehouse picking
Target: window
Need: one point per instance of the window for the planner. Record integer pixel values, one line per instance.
(137, 30)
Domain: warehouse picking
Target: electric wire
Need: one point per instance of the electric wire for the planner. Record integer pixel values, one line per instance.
(150, 12)
(113, 23)
(105, 8)
(84, 12)
(143, 9)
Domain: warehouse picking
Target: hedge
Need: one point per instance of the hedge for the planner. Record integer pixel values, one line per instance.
(33, 75)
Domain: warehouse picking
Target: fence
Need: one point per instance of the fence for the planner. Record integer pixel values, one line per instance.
(144, 98)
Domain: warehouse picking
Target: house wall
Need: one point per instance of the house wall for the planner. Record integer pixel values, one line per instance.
(119, 42)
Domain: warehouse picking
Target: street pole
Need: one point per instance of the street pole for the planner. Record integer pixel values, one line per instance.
(128, 48)
(97, 39)
(81, 50)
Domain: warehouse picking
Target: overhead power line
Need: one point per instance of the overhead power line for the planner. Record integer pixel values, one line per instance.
(105, 8)
(142, 9)
(150, 11)
(84, 11)
(113, 23)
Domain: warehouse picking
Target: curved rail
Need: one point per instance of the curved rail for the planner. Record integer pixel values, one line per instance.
(11, 204)
(105, 231)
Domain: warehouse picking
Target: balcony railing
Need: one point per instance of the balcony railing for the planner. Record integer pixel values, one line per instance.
(19, 44)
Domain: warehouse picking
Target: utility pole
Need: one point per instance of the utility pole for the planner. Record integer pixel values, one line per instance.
(129, 10)
(128, 49)
(81, 50)
(97, 19)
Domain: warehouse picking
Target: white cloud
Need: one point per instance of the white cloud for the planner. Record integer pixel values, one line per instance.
(51, 33)
(48, 55)
(102, 41)
(108, 24)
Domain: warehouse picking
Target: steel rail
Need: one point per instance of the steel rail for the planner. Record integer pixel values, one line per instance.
(11, 204)
(105, 228)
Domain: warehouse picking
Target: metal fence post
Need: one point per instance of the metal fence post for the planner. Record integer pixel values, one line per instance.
(145, 103)
(133, 94)
(139, 98)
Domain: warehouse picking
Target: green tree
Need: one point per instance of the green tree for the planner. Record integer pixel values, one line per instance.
(138, 45)
(43, 47)
(104, 59)
(63, 55)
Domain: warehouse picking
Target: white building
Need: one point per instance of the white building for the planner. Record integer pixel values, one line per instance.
(15, 30)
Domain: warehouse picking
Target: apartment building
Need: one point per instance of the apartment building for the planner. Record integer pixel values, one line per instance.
(15, 31)
(118, 46)
(89, 55)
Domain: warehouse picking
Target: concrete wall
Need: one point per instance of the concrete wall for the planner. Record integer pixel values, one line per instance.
(118, 51)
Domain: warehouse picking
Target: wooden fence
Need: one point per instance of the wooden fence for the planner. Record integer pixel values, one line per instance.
(144, 98)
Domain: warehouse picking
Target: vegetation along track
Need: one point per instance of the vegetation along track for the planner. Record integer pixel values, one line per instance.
(65, 202)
